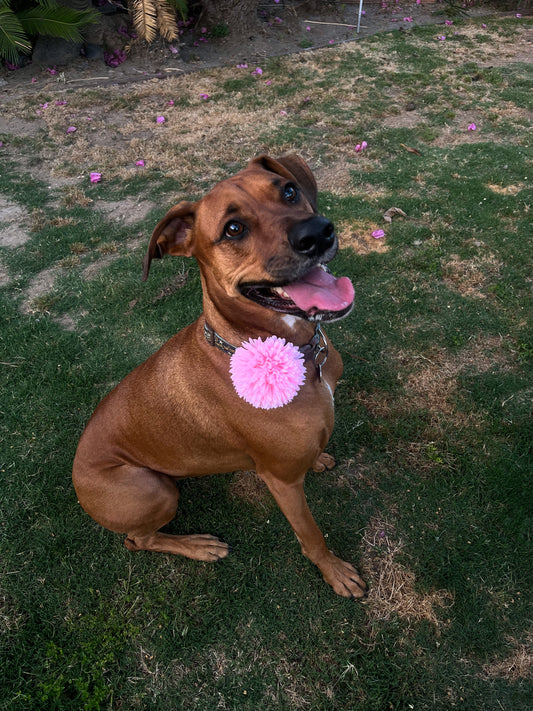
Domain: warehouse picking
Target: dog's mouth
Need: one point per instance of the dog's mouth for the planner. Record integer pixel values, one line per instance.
(317, 296)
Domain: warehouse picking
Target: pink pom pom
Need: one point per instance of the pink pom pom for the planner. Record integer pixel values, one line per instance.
(268, 373)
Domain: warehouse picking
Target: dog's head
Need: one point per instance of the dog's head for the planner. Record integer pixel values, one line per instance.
(257, 236)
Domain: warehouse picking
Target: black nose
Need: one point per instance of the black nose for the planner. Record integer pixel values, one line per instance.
(312, 237)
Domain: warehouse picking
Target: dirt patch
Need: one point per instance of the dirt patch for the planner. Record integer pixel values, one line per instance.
(40, 286)
(13, 236)
(4, 276)
(128, 211)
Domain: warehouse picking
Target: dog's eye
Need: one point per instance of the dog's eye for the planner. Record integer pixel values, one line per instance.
(290, 192)
(234, 230)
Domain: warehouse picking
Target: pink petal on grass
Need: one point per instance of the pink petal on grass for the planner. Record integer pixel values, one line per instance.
(471, 127)
(204, 97)
(71, 129)
(95, 177)
(140, 163)
(160, 119)
(378, 234)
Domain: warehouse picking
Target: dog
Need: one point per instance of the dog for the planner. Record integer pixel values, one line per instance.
(262, 248)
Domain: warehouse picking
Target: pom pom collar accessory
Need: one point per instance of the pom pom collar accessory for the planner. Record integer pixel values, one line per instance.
(269, 373)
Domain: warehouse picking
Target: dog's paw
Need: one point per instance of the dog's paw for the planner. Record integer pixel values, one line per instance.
(322, 462)
(204, 547)
(343, 578)
(197, 546)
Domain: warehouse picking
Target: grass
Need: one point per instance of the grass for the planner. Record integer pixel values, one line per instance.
(431, 493)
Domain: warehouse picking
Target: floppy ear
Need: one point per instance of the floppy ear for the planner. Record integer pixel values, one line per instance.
(173, 235)
(292, 166)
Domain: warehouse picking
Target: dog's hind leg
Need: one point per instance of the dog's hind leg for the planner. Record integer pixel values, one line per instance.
(138, 501)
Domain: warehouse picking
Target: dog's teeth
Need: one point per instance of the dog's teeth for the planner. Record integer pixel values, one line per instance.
(280, 291)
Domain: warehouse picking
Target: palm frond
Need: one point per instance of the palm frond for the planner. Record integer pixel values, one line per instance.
(166, 20)
(56, 21)
(13, 39)
(144, 16)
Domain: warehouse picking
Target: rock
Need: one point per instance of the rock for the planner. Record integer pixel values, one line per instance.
(50, 51)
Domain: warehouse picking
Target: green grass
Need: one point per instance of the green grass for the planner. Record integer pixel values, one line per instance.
(431, 493)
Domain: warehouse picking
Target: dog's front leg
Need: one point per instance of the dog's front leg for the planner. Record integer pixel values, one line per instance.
(290, 497)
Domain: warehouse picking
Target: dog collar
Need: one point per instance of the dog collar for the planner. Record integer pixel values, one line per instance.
(316, 350)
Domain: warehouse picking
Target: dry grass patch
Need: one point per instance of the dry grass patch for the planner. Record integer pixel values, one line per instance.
(249, 487)
(470, 276)
(517, 665)
(392, 591)
(506, 189)
(357, 235)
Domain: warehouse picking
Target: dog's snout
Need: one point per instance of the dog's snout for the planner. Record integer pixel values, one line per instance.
(312, 237)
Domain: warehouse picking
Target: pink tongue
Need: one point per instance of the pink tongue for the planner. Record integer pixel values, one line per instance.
(321, 290)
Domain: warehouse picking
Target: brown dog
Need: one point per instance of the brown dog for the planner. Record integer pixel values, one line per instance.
(259, 243)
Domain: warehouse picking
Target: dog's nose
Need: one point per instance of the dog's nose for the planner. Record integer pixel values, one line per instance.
(312, 237)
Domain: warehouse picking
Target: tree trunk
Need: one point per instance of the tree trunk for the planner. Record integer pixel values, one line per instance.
(240, 16)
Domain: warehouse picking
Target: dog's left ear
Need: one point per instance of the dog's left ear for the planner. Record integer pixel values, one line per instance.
(173, 235)
(292, 166)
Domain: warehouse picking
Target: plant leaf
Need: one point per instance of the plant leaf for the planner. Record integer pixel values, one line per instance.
(144, 16)
(13, 39)
(56, 21)
(166, 18)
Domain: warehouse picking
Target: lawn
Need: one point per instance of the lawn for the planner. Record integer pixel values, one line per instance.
(431, 495)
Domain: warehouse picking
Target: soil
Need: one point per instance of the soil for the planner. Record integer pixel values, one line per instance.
(283, 28)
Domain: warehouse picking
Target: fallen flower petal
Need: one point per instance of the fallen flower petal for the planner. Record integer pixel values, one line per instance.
(448, 22)
(471, 127)
(71, 129)
(61, 103)
(173, 49)
(378, 234)
(441, 37)
(204, 96)
(257, 72)
(160, 119)
(170, 103)
(282, 113)
(95, 177)
(140, 163)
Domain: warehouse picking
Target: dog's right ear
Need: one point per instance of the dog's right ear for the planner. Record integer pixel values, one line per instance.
(173, 235)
